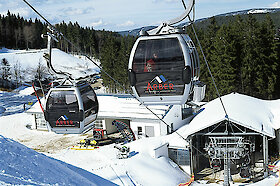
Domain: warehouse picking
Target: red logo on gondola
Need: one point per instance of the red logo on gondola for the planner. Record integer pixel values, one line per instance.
(64, 121)
(165, 86)
(159, 85)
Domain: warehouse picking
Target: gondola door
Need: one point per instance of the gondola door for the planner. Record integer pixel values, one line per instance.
(90, 105)
(63, 111)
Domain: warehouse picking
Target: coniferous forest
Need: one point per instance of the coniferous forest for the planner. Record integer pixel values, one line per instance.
(243, 54)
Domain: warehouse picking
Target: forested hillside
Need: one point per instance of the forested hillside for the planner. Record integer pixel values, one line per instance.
(110, 47)
(259, 14)
(244, 57)
(243, 53)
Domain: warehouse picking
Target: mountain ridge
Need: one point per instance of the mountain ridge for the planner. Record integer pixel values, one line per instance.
(255, 11)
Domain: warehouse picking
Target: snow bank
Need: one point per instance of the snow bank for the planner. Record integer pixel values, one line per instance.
(140, 169)
(146, 145)
(20, 165)
(145, 170)
(27, 91)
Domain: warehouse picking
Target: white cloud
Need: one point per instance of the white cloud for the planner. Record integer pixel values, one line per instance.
(276, 5)
(14, 8)
(126, 24)
(23, 12)
(76, 11)
(96, 24)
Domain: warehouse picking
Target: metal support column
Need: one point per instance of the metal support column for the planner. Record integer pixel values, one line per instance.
(265, 156)
(226, 169)
(191, 156)
(277, 132)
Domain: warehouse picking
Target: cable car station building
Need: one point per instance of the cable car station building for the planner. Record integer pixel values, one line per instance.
(127, 109)
(247, 135)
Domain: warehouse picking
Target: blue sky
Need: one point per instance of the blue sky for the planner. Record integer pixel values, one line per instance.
(118, 15)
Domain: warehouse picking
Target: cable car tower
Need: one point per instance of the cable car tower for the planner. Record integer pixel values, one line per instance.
(164, 65)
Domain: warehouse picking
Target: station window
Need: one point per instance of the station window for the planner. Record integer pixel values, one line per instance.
(139, 130)
(179, 156)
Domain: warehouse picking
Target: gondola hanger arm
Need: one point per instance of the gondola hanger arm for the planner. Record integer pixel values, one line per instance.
(183, 16)
(166, 27)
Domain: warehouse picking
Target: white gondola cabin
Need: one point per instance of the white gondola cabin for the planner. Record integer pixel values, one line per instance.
(162, 68)
(71, 108)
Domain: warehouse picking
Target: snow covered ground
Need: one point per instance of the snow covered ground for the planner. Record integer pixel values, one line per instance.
(21, 165)
(12, 103)
(32, 157)
(141, 169)
(54, 162)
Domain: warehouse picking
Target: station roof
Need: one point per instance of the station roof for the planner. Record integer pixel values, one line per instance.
(258, 115)
(119, 106)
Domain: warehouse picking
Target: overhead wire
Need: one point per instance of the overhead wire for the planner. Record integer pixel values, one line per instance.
(218, 93)
(119, 84)
(209, 70)
(60, 35)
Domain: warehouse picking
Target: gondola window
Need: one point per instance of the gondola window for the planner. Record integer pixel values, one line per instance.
(158, 65)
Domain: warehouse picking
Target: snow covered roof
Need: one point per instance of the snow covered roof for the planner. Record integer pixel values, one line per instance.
(118, 106)
(258, 115)
(126, 107)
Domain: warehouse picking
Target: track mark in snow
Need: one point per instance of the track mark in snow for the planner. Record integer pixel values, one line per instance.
(131, 179)
(4, 176)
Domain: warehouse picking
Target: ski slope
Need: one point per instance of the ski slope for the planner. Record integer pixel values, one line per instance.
(21, 165)
(28, 61)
